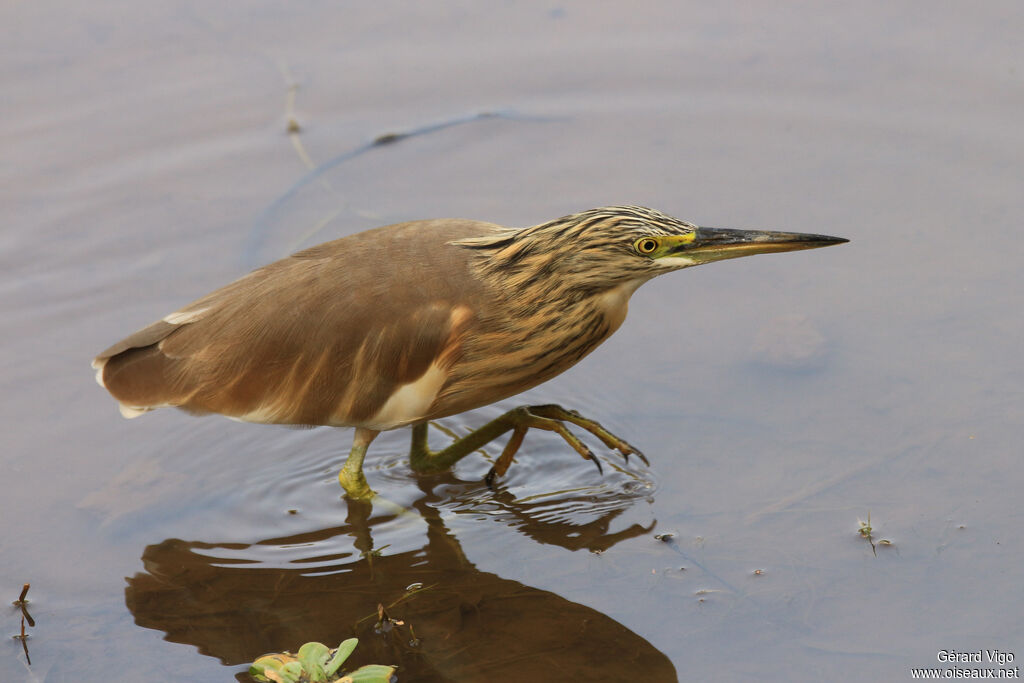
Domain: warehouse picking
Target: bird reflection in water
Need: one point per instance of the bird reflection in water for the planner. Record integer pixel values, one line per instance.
(457, 622)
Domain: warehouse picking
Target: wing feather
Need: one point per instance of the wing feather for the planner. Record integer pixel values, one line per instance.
(325, 336)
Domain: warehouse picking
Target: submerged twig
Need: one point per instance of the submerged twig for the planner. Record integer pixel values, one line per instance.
(22, 603)
(291, 120)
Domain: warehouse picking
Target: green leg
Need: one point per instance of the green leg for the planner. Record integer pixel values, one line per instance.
(519, 420)
(351, 476)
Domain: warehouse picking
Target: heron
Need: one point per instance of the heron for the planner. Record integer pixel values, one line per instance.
(408, 323)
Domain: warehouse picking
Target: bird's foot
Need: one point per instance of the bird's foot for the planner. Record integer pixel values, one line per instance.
(355, 484)
(607, 438)
(520, 420)
(553, 418)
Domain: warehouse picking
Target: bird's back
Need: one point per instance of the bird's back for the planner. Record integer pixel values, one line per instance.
(326, 336)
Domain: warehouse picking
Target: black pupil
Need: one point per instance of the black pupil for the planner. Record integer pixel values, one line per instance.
(647, 245)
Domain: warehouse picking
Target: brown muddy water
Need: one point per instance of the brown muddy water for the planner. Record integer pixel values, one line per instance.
(145, 160)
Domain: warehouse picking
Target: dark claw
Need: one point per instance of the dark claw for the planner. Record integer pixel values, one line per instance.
(489, 479)
(598, 463)
(630, 450)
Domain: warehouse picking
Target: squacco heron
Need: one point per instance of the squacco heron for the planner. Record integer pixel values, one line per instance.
(413, 322)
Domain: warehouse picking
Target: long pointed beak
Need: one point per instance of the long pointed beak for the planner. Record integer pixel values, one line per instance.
(716, 244)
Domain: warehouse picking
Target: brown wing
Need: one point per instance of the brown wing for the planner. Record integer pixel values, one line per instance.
(326, 336)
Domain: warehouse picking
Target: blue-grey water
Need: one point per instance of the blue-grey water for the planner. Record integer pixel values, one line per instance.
(145, 160)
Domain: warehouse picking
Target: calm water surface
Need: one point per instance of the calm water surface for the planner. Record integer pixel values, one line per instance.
(144, 161)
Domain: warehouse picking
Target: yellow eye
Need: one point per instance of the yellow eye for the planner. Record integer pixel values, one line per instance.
(646, 245)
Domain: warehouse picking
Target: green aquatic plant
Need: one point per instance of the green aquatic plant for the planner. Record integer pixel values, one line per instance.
(865, 527)
(315, 662)
(865, 530)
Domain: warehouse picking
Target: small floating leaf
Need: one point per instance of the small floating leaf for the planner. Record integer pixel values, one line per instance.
(342, 653)
(371, 673)
(313, 656)
(268, 667)
(291, 672)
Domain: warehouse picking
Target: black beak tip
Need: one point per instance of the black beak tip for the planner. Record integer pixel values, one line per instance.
(819, 240)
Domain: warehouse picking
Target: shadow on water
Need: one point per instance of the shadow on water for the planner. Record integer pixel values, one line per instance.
(444, 619)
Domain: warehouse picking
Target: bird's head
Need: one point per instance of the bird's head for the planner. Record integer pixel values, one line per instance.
(609, 246)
